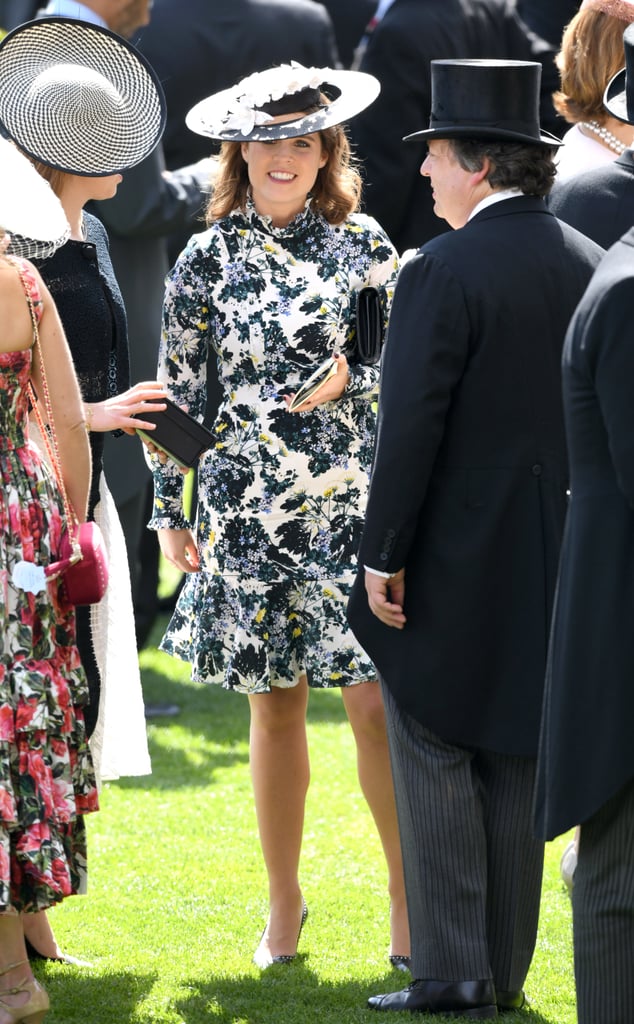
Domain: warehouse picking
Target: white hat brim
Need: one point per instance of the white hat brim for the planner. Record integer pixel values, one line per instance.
(357, 91)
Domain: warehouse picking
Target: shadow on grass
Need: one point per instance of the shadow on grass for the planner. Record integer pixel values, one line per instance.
(299, 996)
(217, 719)
(78, 998)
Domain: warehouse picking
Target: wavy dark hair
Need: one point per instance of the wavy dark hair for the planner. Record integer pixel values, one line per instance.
(336, 192)
(526, 166)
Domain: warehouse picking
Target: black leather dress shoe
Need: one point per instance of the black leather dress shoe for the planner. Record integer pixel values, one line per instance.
(475, 999)
(510, 1000)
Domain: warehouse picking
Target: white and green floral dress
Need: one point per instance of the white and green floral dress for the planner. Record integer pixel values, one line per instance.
(281, 496)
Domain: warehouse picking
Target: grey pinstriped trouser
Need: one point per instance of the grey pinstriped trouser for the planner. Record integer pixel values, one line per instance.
(603, 914)
(472, 866)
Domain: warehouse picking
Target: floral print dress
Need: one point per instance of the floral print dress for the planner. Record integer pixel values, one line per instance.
(281, 496)
(46, 779)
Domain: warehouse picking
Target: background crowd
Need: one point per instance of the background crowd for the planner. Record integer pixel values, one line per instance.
(464, 601)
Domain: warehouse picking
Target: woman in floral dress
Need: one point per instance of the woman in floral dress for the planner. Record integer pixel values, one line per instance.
(271, 288)
(47, 781)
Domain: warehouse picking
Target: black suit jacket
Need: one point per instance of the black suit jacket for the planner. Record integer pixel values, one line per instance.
(600, 202)
(350, 18)
(468, 488)
(216, 44)
(586, 751)
(548, 17)
(399, 50)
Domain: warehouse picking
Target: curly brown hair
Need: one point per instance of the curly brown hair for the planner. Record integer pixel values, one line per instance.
(591, 54)
(336, 192)
(528, 167)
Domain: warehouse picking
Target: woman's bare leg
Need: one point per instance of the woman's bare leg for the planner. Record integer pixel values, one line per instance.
(280, 775)
(12, 951)
(37, 929)
(364, 708)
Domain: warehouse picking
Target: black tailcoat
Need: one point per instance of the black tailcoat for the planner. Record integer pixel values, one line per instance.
(587, 744)
(469, 484)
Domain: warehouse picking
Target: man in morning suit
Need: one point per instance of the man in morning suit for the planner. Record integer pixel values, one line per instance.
(462, 534)
(586, 761)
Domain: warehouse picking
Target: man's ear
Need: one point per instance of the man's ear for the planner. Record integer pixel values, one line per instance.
(483, 173)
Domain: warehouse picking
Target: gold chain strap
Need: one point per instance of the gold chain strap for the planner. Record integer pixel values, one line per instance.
(49, 436)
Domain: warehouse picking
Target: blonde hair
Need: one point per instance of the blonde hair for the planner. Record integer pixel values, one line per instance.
(591, 54)
(335, 195)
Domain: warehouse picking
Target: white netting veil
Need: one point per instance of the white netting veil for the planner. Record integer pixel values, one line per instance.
(30, 212)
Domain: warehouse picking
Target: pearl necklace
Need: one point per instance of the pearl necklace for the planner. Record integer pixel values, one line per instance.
(606, 136)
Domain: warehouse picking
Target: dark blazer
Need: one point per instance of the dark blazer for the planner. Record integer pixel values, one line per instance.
(586, 752)
(600, 202)
(468, 488)
(548, 17)
(350, 18)
(216, 44)
(399, 51)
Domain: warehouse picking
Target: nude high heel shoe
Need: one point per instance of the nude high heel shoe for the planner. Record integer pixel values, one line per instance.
(37, 1005)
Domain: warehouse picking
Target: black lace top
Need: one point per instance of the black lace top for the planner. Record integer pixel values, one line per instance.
(81, 280)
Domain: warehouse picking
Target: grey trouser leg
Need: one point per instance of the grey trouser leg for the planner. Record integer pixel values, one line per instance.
(603, 914)
(472, 867)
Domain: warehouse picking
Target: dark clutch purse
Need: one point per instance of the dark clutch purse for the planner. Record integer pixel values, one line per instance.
(366, 348)
(177, 434)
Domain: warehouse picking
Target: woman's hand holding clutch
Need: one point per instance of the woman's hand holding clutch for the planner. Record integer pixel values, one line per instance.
(326, 384)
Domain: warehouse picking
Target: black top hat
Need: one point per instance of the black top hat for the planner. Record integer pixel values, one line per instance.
(485, 99)
(618, 98)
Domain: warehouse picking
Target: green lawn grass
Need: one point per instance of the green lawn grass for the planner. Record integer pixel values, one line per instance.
(177, 891)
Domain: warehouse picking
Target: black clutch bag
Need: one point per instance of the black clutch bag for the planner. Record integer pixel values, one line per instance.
(366, 349)
(177, 434)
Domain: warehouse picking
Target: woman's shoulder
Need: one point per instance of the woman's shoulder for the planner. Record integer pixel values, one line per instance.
(93, 228)
(19, 277)
(366, 226)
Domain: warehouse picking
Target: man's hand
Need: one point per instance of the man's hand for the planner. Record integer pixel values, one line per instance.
(386, 598)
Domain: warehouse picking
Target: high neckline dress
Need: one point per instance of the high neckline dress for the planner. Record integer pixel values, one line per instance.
(281, 496)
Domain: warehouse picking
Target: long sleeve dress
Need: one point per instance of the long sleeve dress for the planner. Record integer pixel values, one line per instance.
(281, 496)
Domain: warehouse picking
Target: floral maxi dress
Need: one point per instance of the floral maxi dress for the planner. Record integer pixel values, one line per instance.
(46, 779)
(281, 496)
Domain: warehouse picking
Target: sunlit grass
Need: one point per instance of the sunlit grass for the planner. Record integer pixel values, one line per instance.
(177, 894)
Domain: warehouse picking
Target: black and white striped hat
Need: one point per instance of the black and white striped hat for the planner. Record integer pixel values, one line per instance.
(78, 97)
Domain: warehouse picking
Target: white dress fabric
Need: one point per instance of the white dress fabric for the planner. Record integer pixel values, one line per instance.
(119, 743)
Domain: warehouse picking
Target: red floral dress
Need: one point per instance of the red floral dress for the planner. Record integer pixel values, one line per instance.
(47, 781)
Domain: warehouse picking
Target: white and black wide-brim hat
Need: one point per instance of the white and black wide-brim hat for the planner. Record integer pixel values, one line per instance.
(30, 212)
(485, 99)
(618, 98)
(78, 98)
(244, 112)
